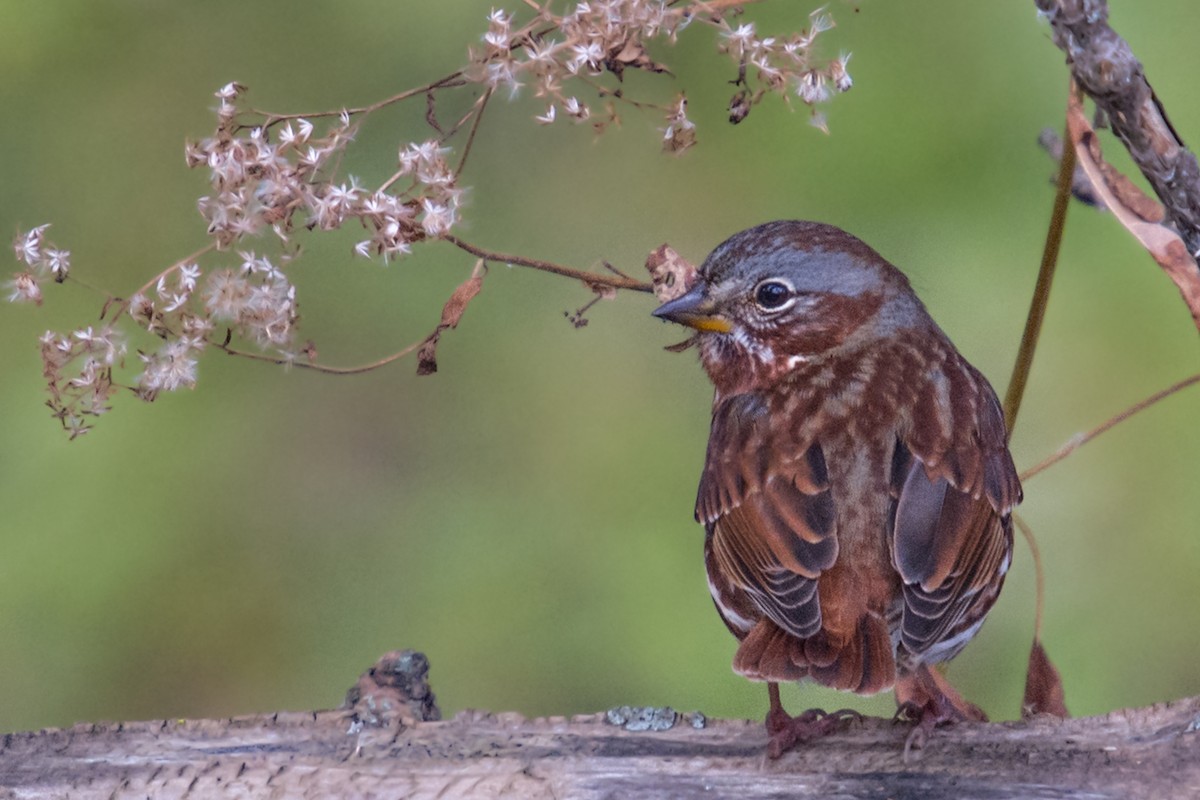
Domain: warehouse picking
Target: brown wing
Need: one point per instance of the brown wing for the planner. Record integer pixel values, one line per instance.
(766, 504)
(955, 486)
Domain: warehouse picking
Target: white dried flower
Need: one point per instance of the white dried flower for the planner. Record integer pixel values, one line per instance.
(226, 295)
(58, 262)
(437, 219)
(590, 55)
(811, 88)
(171, 368)
(188, 273)
(576, 110)
(229, 91)
(838, 74)
(28, 246)
(24, 288)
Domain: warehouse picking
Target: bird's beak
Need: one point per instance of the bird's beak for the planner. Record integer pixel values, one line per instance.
(695, 310)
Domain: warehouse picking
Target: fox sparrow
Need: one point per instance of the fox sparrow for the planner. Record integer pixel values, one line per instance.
(857, 489)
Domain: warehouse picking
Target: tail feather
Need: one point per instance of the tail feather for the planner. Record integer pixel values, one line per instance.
(768, 653)
(863, 663)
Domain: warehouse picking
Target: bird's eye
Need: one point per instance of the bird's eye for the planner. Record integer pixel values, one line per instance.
(771, 295)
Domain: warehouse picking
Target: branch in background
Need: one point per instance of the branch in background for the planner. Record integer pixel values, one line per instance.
(1104, 66)
(1136, 212)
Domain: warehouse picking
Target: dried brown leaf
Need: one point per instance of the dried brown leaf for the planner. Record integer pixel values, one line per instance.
(739, 106)
(1164, 245)
(453, 310)
(1043, 686)
(671, 274)
(427, 354)
(681, 138)
(604, 291)
(452, 313)
(1145, 207)
(632, 54)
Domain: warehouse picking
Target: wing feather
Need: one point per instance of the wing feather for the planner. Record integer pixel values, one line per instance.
(955, 486)
(769, 515)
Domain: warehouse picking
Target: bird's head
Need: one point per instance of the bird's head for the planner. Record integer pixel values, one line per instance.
(784, 294)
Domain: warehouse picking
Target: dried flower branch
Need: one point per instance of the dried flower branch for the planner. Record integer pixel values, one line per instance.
(275, 176)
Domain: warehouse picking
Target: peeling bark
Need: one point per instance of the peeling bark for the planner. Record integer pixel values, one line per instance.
(1151, 752)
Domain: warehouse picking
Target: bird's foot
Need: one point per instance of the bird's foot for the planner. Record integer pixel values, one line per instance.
(934, 710)
(787, 731)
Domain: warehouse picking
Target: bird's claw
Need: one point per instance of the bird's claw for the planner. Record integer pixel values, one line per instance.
(788, 731)
(927, 717)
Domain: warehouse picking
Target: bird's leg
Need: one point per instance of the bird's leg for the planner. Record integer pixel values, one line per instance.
(777, 718)
(925, 697)
(787, 731)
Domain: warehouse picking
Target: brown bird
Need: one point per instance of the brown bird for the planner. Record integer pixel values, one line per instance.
(858, 487)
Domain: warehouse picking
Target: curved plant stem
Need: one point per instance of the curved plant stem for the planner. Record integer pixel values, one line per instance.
(1038, 572)
(329, 370)
(1083, 438)
(1041, 293)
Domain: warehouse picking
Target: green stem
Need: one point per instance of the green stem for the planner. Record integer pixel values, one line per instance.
(1041, 293)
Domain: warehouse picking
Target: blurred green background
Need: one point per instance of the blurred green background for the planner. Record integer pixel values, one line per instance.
(524, 516)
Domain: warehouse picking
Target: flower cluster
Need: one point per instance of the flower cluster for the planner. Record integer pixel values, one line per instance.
(553, 52)
(278, 175)
(594, 38)
(181, 307)
(256, 301)
(42, 260)
(78, 368)
(785, 66)
(264, 174)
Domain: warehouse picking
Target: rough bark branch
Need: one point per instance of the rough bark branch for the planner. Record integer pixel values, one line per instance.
(1104, 66)
(1145, 753)
(386, 741)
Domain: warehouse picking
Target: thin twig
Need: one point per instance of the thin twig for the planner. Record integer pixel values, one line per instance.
(1038, 572)
(290, 362)
(478, 109)
(615, 271)
(1083, 438)
(717, 6)
(590, 278)
(617, 93)
(397, 175)
(453, 79)
(122, 305)
(1041, 292)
